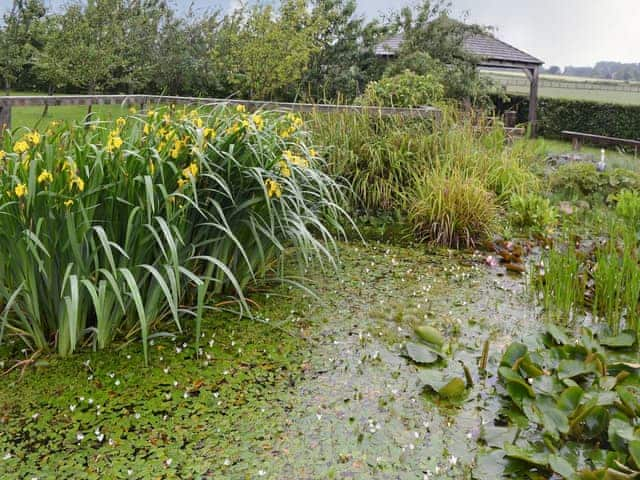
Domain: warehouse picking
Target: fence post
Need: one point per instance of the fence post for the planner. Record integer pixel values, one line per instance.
(5, 118)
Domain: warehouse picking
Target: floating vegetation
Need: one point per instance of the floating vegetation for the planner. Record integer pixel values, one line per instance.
(572, 407)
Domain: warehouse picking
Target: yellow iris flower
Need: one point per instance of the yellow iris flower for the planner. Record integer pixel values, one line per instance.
(45, 176)
(21, 190)
(273, 188)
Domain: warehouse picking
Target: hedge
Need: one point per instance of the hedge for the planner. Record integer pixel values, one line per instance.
(556, 115)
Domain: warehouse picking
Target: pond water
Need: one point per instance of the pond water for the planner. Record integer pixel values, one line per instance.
(338, 399)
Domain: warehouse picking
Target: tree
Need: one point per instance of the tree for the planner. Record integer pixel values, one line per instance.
(20, 39)
(264, 52)
(345, 61)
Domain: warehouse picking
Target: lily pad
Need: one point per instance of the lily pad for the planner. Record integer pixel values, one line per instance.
(429, 335)
(561, 466)
(574, 368)
(444, 385)
(421, 354)
(622, 340)
(528, 455)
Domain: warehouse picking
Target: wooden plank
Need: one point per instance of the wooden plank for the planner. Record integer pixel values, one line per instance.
(600, 138)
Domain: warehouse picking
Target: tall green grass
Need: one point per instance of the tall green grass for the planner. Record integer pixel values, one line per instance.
(388, 161)
(114, 229)
(604, 280)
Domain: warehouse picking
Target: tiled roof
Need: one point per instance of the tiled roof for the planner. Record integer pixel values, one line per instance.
(484, 46)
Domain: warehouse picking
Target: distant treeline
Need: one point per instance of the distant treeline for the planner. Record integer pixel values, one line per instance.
(606, 70)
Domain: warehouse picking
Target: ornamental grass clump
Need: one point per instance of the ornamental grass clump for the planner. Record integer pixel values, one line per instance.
(109, 230)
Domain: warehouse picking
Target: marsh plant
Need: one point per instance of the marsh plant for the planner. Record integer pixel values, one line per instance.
(628, 207)
(406, 165)
(533, 212)
(603, 279)
(452, 210)
(112, 230)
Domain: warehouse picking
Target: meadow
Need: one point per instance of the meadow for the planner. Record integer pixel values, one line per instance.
(570, 88)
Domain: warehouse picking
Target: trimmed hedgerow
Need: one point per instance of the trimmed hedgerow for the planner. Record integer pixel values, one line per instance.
(556, 115)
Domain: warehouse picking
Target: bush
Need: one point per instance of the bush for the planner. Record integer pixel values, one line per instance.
(404, 90)
(533, 212)
(556, 115)
(452, 210)
(115, 229)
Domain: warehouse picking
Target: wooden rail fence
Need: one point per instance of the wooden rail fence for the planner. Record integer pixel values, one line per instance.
(7, 102)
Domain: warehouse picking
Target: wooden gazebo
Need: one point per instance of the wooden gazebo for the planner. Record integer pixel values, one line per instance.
(491, 53)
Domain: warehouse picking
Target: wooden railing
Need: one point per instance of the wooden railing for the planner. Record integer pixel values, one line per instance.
(7, 102)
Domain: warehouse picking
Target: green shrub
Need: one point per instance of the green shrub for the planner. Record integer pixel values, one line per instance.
(117, 229)
(406, 89)
(452, 210)
(628, 207)
(533, 212)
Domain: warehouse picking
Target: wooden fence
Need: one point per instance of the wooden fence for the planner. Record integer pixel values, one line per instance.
(7, 102)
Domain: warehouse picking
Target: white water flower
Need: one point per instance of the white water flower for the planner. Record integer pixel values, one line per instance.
(453, 460)
(79, 437)
(72, 407)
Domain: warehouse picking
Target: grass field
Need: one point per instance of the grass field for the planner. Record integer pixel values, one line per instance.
(32, 116)
(571, 88)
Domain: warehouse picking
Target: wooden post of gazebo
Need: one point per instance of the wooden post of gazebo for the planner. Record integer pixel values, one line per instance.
(534, 81)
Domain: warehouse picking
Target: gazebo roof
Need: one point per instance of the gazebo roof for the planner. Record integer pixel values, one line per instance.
(492, 51)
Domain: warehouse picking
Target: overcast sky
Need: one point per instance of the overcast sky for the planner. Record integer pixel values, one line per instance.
(560, 32)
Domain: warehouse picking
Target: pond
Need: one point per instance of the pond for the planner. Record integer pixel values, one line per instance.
(311, 388)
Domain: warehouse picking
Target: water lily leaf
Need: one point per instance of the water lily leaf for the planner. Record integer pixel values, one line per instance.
(429, 335)
(528, 455)
(621, 433)
(630, 399)
(497, 437)
(510, 376)
(634, 451)
(574, 368)
(454, 389)
(557, 334)
(445, 386)
(595, 423)
(514, 352)
(547, 385)
(607, 382)
(570, 399)
(561, 466)
(623, 340)
(421, 354)
(554, 420)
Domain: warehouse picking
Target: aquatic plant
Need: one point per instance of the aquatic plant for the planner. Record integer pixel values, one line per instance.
(109, 230)
(452, 210)
(533, 212)
(579, 400)
(628, 207)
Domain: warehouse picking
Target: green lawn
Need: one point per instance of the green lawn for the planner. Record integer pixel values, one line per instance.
(616, 158)
(32, 116)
